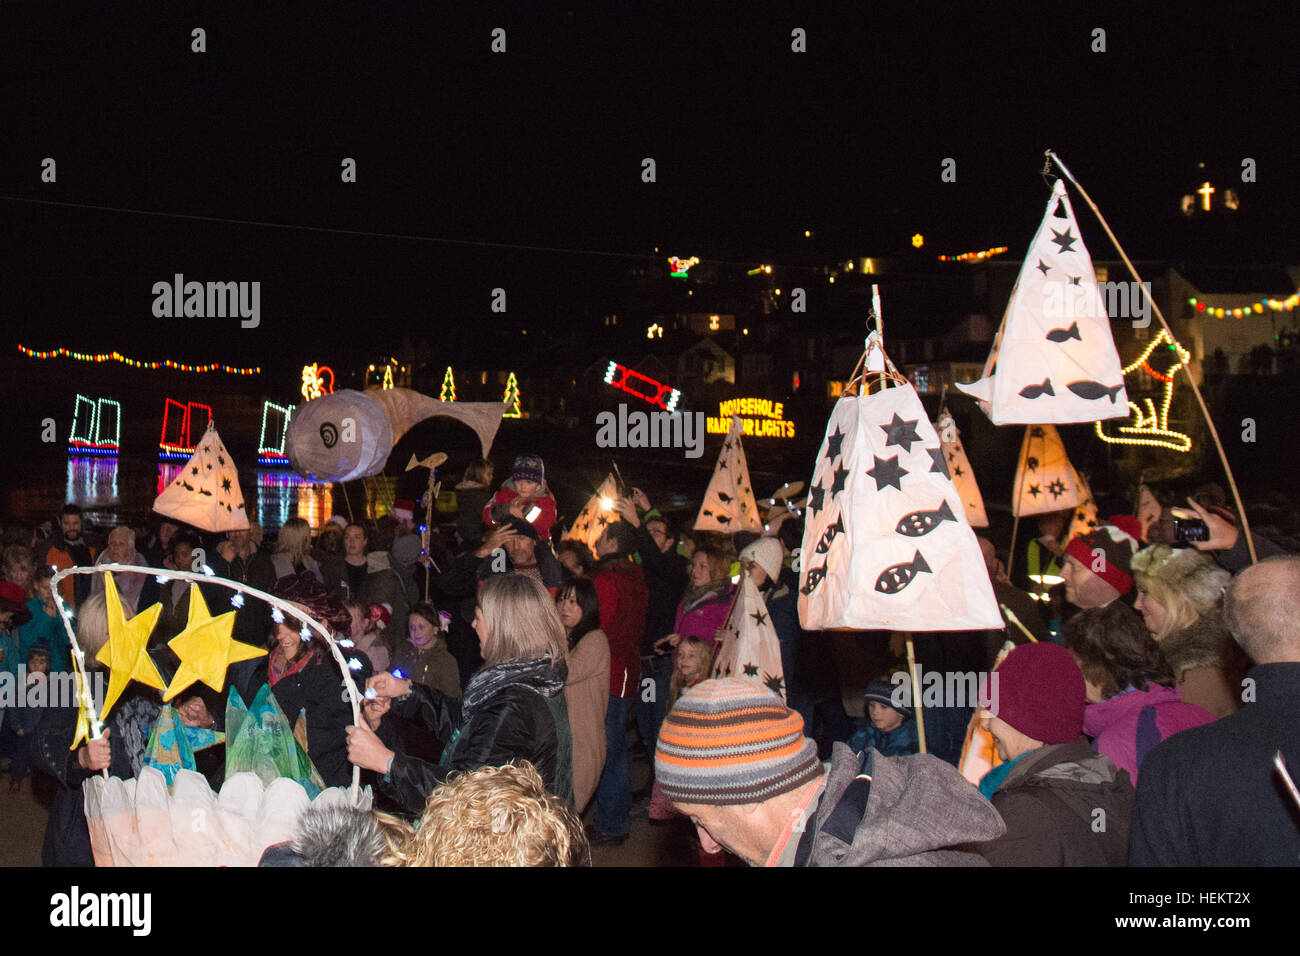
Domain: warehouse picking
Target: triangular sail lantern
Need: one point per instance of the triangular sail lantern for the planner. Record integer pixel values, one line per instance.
(959, 470)
(205, 493)
(1085, 518)
(748, 649)
(887, 544)
(729, 504)
(596, 515)
(1054, 359)
(1045, 479)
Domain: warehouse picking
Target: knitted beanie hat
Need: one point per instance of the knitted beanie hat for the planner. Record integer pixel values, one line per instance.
(727, 742)
(529, 468)
(882, 692)
(1040, 692)
(767, 554)
(1118, 541)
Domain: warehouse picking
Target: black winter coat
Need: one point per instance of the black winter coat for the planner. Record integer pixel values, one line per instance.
(522, 717)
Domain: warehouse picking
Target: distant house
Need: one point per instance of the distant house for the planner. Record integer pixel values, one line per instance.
(706, 362)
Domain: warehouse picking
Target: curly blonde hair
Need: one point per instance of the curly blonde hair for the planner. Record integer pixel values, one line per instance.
(1185, 582)
(497, 816)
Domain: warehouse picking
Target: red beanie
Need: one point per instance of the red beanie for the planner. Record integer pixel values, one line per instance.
(1040, 693)
(1117, 540)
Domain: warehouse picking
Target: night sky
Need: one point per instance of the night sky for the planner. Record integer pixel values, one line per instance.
(541, 147)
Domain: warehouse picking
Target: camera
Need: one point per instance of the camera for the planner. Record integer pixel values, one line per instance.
(1188, 528)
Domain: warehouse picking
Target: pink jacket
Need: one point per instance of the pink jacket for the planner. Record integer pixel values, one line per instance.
(1125, 727)
(703, 620)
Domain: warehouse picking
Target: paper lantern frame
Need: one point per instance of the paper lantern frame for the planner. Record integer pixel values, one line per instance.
(286, 607)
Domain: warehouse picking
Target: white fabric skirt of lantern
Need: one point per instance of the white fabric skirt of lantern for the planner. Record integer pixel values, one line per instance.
(139, 823)
(339, 437)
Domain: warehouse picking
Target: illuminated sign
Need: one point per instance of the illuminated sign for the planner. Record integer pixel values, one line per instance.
(643, 387)
(759, 418)
(180, 423)
(96, 427)
(678, 267)
(275, 428)
(313, 381)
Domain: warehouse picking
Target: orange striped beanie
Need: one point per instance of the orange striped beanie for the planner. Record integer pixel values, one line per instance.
(729, 742)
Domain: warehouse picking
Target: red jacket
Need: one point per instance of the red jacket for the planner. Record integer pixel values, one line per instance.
(545, 521)
(624, 597)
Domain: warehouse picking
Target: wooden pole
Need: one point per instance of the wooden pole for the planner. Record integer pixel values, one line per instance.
(1214, 432)
(916, 693)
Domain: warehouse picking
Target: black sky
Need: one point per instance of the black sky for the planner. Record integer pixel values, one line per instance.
(542, 147)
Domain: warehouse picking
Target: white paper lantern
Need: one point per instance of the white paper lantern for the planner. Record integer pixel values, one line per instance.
(339, 437)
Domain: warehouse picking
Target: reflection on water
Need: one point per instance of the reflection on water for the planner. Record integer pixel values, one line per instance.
(92, 483)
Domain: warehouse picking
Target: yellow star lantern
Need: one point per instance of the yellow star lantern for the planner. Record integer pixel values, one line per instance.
(125, 653)
(83, 709)
(206, 648)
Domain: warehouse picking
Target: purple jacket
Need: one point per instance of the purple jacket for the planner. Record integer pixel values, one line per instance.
(703, 619)
(1125, 727)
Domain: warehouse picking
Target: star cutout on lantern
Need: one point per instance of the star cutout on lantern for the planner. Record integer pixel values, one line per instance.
(194, 470)
(206, 648)
(838, 484)
(1064, 240)
(1031, 463)
(899, 432)
(1035, 491)
(124, 653)
(751, 670)
(939, 464)
(1057, 488)
(1036, 432)
(221, 461)
(886, 472)
(775, 684)
(225, 484)
(833, 443)
(958, 472)
(815, 500)
(1043, 267)
(759, 618)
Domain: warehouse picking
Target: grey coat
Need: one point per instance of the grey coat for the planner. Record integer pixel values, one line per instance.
(919, 810)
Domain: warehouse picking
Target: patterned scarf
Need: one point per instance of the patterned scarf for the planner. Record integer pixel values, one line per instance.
(278, 668)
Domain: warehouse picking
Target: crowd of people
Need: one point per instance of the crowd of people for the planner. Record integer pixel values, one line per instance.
(507, 671)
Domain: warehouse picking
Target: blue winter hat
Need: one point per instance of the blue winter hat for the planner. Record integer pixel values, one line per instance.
(529, 468)
(883, 692)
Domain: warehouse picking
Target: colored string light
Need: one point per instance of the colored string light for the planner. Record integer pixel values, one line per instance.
(512, 398)
(272, 452)
(975, 256)
(1244, 311)
(182, 446)
(1150, 428)
(134, 363)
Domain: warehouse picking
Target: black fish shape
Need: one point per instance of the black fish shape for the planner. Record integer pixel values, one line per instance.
(722, 519)
(1089, 389)
(815, 576)
(724, 497)
(1033, 391)
(828, 536)
(1062, 335)
(920, 523)
(893, 579)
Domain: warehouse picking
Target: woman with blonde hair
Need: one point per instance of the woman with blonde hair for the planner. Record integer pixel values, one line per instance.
(513, 708)
(293, 551)
(1179, 593)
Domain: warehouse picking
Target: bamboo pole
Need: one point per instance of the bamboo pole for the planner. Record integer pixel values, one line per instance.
(1200, 399)
(916, 693)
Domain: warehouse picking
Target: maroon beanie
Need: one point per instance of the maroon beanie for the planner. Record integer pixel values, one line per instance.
(1040, 693)
(1117, 540)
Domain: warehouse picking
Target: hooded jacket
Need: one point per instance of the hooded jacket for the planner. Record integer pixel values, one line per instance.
(1125, 727)
(919, 810)
(511, 711)
(1049, 802)
(1208, 664)
(621, 589)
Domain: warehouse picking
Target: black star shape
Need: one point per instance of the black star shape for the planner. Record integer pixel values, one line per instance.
(225, 484)
(1043, 267)
(833, 442)
(604, 520)
(838, 484)
(1064, 239)
(207, 467)
(220, 460)
(751, 670)
(774, 683)
(815, 500)
(1035, 491)
(1031, 463)
(899, 432)
(195, 469)
(958, 472)
(1057, 488)
(886, 472)
(722, 463)
(939, 463)
(759, 618)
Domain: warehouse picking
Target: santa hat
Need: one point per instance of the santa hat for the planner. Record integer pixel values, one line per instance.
(1118, 541)
(380, 615)
(339, 520)
(404, 508)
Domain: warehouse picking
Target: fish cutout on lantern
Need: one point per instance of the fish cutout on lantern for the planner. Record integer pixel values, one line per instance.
(748, 648)
(1084, 519)
(951, 458)
(729, 504)
(886, 542)
(1045, 479)
(596, 515)
(205, 493)
(1054, 358)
